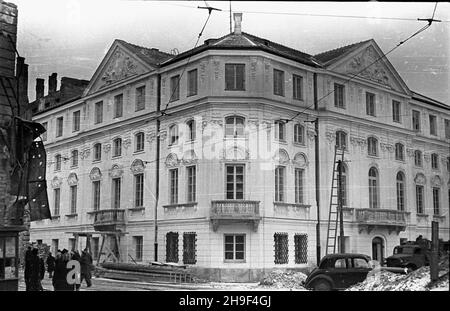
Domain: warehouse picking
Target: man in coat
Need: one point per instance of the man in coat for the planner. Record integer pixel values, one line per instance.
(86, 266)
(50, 265)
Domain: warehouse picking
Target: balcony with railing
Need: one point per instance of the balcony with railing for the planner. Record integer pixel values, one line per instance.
(235, 211)
(109, 219)
(371, 218)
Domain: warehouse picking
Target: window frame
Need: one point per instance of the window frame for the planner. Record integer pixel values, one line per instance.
(339, 95)
(396, 111)
(297, 87)
(117, 147)
(280, 130)
(191, 184)
(97, 154)
(433, 125)
(370, 104)
(340, 140)
(191, 127)
(138, 189)
(299, 132)
(401, 191)
(416, 126)
(138, 242)
(139, 98)
(76, 121)
(434, 161)
(436, 194)
(234, 251)
(74, 157)
(281, 248)
(236, 85)
(96, 195)
(278, 82)
(374, 188)
(174, 135)
(174, 88)
(118, 113)
(280, 183)
(98, 112)
(116, 191)
(372, 146)
(139, 141)
(192, 89)
(420, 199)
(418, 158)
(56, 201)
(59, 126)
(235, 127)
(299, 185)
(173, 185)
(399, 152)
(234, 182)
(58, 162)
(73, 199)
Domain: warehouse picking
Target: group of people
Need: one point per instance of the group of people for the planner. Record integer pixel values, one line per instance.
(57, 269)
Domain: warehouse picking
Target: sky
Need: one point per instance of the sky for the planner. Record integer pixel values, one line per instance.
(71, 37)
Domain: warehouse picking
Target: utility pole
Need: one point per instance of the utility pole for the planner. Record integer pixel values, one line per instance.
(317, 171)
(434, 269)
(341, 214)
(158, 146)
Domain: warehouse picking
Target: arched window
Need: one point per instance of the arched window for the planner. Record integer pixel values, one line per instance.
(57, 162)
(173, 135)
(74, 157)
(372, 146)
(97, 152)
(234, 126)
(434, 161)
(117, 147)
(399, 152)
(299, 134)
(400, 191)
(139, 142)
(373, 188)
(343, 185)
(418, 158)
(341, 140)
(191, 130)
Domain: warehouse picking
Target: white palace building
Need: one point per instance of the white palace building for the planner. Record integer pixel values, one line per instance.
(231, 190)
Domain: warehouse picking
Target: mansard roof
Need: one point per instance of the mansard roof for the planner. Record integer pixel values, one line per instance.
(248, 41)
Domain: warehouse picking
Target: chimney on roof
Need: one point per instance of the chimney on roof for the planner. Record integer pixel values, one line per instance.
(237, 23)
(52, 83)
(39, 88)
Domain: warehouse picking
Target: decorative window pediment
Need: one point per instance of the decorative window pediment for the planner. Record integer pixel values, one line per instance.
(56, 182)
(95, 174)
(300, 160)
(116, 171)
(420, 179)
(281, 156)
(137, 166)
(436, 181)
(72, 180)
(172, 160)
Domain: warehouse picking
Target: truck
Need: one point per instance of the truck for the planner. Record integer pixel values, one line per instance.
(411, 255)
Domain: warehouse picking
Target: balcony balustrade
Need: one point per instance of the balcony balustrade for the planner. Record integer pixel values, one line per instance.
(109, 220)
(370, 218)
(235, 211)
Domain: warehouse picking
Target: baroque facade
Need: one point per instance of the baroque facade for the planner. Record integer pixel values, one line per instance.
(235, 192)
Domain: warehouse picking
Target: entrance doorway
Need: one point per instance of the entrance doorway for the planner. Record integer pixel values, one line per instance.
(378, 249)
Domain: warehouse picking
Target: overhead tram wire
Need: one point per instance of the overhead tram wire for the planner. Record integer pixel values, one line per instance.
(315, 15)
(210, 9)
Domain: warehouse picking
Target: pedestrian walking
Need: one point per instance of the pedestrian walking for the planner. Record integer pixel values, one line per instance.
(35, 265)
(50, 265)
(86, 267)
(27, 268)
(60, 272)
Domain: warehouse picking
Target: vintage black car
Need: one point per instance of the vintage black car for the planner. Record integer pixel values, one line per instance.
(340, 271)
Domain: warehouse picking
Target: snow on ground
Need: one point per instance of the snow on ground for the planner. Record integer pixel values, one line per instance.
(418, 280)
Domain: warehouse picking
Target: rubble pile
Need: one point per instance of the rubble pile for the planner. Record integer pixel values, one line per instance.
(418, 280)
(284, 279)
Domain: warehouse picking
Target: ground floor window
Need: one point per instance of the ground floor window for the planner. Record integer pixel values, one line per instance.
(138, 242)
(281, 248)
(301, 248)
(234, 247)
(172, 247)
(189, 248)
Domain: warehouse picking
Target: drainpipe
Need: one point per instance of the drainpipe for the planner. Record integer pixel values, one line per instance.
(158, 125)
(317, 170)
